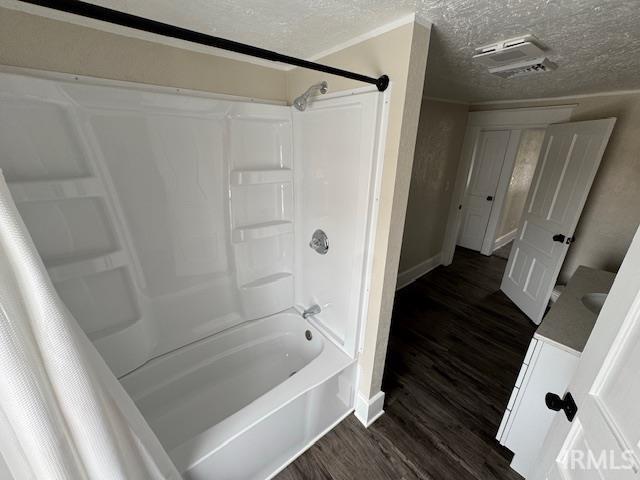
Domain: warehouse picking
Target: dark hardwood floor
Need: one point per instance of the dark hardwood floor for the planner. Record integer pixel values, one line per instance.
(503, 251)
(455, 350)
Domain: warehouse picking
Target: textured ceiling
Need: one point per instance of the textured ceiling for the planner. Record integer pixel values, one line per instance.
(596, 43)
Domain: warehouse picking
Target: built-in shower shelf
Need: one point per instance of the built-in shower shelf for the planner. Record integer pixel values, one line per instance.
(113, 330)
(267, 295)
(60, 271)
(47, 190)
(268, 280)
(261, 230)
(261, 176)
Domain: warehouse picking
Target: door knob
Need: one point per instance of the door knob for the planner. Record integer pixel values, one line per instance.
(489, 198)
(562, 239)
(567, 404)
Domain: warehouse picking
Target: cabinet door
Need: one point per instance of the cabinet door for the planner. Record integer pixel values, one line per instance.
(551, 371)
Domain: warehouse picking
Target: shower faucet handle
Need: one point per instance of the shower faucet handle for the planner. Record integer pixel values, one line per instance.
(312, 310)
(319, 242)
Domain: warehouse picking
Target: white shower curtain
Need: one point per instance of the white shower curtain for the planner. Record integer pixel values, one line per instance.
(63, 415)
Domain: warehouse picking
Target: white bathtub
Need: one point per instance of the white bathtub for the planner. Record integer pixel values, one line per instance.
(256, 386)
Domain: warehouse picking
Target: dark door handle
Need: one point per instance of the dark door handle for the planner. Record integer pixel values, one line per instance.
(567, 404)
(562, 239)
(490, 198)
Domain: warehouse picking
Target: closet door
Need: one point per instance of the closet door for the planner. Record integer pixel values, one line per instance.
(489, 154)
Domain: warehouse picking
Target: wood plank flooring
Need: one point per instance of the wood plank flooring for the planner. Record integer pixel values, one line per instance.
(504, 251)
(455, 350)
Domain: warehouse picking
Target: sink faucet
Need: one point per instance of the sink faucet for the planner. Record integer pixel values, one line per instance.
(312, 310)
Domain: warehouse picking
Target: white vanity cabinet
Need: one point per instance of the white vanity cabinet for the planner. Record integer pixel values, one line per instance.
(548, 366)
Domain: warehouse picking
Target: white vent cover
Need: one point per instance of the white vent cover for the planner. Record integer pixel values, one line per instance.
(528, 67)
(514, 57)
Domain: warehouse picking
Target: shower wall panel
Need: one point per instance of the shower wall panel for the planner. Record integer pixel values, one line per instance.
(162, 217)
(335, 178)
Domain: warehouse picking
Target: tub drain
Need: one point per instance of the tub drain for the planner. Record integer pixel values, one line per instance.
(308, 335)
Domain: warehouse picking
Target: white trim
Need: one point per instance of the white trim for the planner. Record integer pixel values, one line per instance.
(454, 219)
(387, 27)
(511, 119)
(410, 275)
(134, 33)
(368, 410)
(504, 239)
(381, 139)
(521, 117)
(309, 445)
(148, 87)
(445, 100)
(556, 99)
(420, 20)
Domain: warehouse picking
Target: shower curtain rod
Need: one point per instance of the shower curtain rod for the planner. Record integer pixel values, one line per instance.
(140, 23)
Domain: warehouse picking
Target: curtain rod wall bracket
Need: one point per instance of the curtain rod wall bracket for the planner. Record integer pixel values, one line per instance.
(382, 83)
(96, 12)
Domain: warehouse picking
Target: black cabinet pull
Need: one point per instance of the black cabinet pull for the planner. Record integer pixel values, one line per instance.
(567, 404)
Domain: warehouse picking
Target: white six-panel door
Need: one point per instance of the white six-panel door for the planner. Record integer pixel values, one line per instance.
(602, 441)
(569, 159)
(489, 154)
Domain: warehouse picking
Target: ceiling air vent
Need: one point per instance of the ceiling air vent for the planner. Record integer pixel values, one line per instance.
(514, 57)
(527, 67)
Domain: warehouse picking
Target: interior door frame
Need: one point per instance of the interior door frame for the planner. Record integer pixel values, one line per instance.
(514, 119)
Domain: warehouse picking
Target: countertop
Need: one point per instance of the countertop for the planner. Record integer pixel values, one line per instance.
(568, 322)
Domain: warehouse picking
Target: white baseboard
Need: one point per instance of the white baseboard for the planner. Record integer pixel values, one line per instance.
(368, 410)
(504, 239)
(412, 274)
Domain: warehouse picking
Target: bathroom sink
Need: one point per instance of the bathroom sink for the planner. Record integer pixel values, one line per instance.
(594, 301)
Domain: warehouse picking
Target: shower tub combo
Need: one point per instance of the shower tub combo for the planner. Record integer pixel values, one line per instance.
(187, 233)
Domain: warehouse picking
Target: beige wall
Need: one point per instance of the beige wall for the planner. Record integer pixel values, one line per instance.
(523, 170)
(612, 212)
(36, 42)
(402, 54)
(438, 146)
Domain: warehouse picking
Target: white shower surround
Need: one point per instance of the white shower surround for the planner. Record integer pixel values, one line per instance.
(154, 246)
